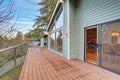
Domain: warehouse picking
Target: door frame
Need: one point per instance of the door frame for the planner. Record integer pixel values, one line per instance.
(86, 28)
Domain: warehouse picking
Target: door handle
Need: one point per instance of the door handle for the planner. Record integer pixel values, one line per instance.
(99, 44)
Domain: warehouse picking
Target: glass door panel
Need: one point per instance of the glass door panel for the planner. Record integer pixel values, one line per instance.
(91, 45)
(110, 49)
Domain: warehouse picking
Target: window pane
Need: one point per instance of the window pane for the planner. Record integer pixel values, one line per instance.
(111, 46)
(52, 41)
(59, 41)
(53, 27)
(59, 22)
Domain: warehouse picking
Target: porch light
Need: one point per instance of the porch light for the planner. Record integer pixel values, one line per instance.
(115, 34)
(65, 34)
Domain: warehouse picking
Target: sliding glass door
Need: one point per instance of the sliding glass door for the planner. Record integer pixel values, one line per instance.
(110, 46)
(102, 46)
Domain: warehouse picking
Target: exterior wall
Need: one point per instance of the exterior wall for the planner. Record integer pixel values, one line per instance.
(92, 12)
(70, 42)
(42, 42)
(74, 52)
(83, 13)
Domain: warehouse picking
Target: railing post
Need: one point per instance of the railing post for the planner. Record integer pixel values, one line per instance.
(24, 51)
(26, 47)
(15, 77)
(21, 54)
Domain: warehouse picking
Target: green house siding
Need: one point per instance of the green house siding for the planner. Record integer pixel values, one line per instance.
(69, 43)
(79, 14)
(73, 33)
(91, 12)
(86, 13)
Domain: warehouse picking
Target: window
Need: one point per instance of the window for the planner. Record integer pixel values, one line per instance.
(111, 46)
(56, 34)
(59, 41)
(52, 41)
(59, 22)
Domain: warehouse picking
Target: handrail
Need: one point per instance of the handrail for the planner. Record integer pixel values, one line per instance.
(12, 47)
(15, 58)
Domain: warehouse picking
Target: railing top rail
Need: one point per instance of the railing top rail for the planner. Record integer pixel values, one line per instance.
(12, 47)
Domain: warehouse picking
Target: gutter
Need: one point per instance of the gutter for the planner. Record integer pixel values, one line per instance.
(68, 24)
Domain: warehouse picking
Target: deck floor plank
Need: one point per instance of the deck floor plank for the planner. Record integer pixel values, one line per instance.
(39, 75)
(43, 71)
(66, 69)
(23, 69)
(58, 67)
(42, 64)
(53, 72)
(45, 68)
(26, 71)
(34, 70)
(30, 75)
(52, 75)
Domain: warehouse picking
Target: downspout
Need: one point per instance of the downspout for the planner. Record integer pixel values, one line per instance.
(68, 24)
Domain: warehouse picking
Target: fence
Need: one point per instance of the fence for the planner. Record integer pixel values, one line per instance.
(11, 60)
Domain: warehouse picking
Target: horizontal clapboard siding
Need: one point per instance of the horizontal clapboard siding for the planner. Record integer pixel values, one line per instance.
(93, 12)
(73, 36)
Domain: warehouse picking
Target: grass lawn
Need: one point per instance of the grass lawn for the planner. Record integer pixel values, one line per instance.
(10, 75)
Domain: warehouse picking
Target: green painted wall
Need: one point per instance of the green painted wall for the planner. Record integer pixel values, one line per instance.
(84, 13)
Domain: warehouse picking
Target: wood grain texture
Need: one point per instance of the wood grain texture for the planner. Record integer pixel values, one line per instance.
(42, 64)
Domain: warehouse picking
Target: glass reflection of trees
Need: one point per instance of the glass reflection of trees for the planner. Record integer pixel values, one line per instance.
(110, 49)
(56, 36)
(52, 41)
(59, 41)
(59, 22)
(56, 41)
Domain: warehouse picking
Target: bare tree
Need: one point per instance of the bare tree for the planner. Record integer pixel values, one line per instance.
(7, 10)
(7, 13)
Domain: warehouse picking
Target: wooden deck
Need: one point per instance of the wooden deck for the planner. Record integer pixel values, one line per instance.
(42, 64)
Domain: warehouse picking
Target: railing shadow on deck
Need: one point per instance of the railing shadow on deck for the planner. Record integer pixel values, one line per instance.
(11, 60)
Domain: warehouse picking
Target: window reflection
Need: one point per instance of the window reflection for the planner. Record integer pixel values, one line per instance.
(53, 28)
(52, 41)
(59, 22)
(59, 41)
(111, 46)
(56, 36)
